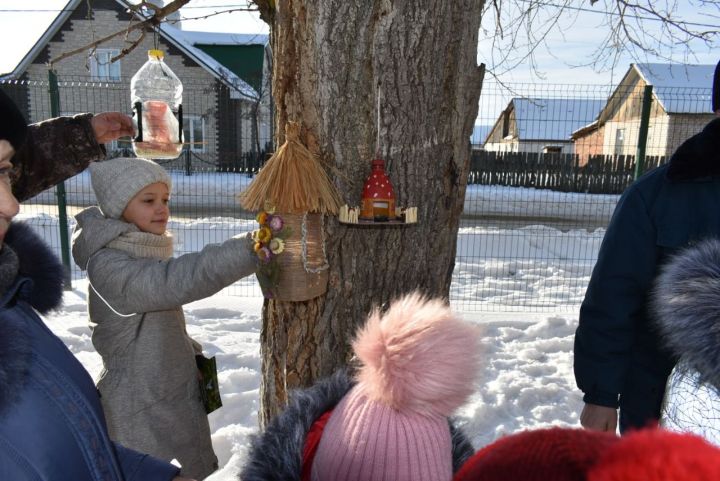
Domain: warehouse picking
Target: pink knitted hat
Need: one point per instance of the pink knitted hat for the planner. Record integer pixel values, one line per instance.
(419, 364)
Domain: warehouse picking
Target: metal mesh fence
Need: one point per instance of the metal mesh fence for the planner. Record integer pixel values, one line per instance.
(549, 163)
(530, 230)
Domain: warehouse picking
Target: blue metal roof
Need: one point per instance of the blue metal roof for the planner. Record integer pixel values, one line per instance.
(680, 88)
(553, 119)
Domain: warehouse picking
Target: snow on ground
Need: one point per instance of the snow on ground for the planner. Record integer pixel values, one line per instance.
(527, 379)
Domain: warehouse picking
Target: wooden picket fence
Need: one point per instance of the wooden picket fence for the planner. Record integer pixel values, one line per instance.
(602, 174)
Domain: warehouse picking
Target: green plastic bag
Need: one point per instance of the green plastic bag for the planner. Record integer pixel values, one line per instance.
(209, 387)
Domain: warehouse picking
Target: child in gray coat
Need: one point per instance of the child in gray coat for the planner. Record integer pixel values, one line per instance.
(149, 382)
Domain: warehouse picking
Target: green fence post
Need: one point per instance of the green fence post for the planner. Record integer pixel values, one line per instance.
(642, 135)
(60, 189)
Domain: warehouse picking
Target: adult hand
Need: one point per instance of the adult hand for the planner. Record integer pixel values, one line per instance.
(178, 478)
(599, 418)
(109, 126)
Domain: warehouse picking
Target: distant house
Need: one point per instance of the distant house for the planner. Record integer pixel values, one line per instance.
(226, 100)
(540, 125)
(680, 107)
(479, 134)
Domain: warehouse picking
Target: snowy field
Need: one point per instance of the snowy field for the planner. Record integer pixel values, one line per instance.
(527, 379)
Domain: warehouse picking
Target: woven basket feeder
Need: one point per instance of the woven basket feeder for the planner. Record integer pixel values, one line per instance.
(294, 186)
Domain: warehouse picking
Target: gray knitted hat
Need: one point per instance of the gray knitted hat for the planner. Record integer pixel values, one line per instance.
(116, 182)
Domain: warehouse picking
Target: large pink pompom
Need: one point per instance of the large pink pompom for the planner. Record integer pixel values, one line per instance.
(418, 356)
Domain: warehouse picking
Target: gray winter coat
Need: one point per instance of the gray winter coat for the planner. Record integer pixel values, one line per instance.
(687, 304)
(149, 384)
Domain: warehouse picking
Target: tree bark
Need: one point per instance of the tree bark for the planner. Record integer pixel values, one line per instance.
(331, 61)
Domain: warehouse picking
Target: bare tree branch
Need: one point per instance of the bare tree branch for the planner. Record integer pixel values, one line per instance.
(220, 12)
(159, 14)
(627, 23)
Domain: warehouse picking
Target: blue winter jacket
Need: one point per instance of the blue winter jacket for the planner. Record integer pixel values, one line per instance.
(51, 422)
(619, 360)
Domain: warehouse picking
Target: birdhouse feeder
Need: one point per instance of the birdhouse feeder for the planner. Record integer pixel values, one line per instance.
(293, 194)
(378, 202)
(378, 197)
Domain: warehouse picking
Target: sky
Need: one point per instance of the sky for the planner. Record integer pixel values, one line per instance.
(526, 380)
(574, 35)
(571, 41)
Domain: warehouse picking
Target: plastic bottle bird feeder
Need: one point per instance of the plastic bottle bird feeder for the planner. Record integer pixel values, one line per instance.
(378, 202)
(156, 97)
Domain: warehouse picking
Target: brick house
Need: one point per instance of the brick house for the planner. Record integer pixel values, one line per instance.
(226, 103)
(680, 107)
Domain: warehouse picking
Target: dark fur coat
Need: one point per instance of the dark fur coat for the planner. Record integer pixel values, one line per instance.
(41, 288)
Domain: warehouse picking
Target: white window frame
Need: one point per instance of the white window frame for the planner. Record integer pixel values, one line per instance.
(189, 122)
(101, 69)
(620, 141)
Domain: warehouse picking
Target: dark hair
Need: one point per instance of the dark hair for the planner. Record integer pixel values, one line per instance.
(13, 126)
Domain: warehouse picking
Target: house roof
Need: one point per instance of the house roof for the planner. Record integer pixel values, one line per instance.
(220, 38)
(480, 133)
(243, 53)
(184, 41)
(33, 39)
(552, 119)
(680, 88)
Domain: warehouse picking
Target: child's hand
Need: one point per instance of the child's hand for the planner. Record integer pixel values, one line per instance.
(109, 126)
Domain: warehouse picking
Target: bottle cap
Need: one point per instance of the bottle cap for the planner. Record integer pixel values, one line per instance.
(156, 53)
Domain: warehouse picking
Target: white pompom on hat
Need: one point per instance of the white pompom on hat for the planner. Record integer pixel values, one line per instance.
(117, 181)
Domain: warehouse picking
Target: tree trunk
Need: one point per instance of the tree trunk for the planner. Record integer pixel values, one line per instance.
(331, 61)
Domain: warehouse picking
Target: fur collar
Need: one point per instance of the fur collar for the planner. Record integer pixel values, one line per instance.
(276, 454)
(697, 157)
(686, 303)
(38, 263)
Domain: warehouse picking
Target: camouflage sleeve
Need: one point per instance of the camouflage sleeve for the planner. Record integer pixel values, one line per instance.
(55, 150)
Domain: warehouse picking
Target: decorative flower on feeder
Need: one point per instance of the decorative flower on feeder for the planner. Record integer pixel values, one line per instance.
(292, 194)
(378, 197)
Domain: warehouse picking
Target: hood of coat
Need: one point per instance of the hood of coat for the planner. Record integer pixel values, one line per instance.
(39, 264)
(697, 157)
(277, 453)
(686, 303)
(93, 232)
